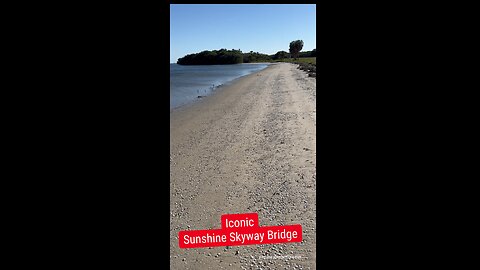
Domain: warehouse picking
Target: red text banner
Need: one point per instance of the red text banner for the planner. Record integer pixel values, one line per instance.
(239, 220)
(240, 229)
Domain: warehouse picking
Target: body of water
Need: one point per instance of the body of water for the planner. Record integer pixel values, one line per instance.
(189, 82)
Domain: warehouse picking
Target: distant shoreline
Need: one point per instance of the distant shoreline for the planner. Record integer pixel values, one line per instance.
(227, 64)
(217, 90)
(219, 87)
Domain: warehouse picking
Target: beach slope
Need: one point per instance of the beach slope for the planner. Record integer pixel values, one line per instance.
(250, 147)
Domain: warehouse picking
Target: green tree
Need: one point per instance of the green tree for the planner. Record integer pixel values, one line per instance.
(295, 47)
(280, 55)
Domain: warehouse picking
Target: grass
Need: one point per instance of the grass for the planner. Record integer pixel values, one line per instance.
(304, 60)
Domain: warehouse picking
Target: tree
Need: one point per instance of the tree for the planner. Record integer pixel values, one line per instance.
(295, 47)
(280, 55)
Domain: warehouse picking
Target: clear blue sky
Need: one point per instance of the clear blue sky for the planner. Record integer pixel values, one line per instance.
(259, 28)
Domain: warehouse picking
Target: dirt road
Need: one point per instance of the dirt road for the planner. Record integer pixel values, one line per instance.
(251, 147)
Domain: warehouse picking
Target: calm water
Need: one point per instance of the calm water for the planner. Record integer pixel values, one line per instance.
(189, 82)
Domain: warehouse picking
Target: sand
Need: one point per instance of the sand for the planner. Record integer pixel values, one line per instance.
(250, 147)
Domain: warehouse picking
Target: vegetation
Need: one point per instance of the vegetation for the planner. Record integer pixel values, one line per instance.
(307, 61)
(295, 47)
(280, 55)
(284, 54)
(252, 57)
(304, 60)
(225, 57)
(307, 64)
(312, 53)
(220, 57)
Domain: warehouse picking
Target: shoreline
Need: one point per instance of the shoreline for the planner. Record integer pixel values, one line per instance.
(249, 148)
(218, 88)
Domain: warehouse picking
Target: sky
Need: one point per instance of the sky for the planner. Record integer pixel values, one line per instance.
(259, 28)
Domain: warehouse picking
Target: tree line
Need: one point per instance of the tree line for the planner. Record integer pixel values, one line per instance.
(284, 54)
(225, 57)
(215, 57)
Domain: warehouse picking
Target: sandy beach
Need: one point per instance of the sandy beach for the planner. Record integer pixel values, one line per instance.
(250, 147)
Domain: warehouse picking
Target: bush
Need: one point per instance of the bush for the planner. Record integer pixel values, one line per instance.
(281, 55)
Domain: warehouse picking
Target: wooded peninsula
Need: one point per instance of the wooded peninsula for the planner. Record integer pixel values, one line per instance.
(228, 57)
